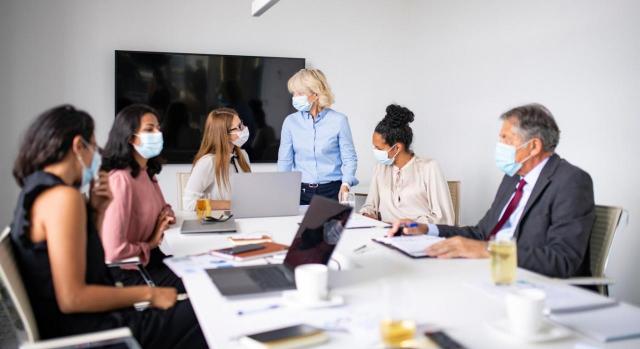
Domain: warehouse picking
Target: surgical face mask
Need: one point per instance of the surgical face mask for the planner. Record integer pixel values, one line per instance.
(150, 144)
(243, 136)
(383, 156)
(506, 158)
(91, 172)
(301, 103)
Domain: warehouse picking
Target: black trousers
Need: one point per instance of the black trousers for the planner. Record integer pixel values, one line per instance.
(160, 273)
(328, 190)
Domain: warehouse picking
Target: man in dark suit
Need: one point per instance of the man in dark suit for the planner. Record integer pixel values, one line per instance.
(548, 207)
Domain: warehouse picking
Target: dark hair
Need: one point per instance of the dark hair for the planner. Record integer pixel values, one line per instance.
(49, 139)
(535, 121)
(118, 153)
(394, 128)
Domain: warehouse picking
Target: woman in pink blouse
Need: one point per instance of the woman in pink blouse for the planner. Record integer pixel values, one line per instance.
(136, 219)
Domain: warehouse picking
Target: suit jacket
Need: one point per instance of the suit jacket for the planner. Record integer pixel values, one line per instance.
(555, 226)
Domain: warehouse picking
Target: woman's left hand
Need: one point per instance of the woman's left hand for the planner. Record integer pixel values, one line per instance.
(100, 196)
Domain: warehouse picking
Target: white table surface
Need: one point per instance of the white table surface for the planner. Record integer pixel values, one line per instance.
(436, 292)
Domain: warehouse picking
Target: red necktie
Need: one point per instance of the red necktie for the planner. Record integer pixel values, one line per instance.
(510, 208)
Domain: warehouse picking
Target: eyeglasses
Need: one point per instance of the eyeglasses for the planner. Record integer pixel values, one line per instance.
(211, 219)
(240, 127)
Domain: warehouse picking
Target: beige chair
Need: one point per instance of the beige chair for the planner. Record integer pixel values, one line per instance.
(18, 302)
(454, 190)
(609, 221)
(183, 178)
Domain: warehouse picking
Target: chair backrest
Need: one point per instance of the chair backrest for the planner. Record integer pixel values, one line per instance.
(454, 189)
(12, 282)
(183, 178)
(608, 221)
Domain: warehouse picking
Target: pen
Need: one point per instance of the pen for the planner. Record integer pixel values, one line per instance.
(407, 225)
(258, 310)
(360, 248)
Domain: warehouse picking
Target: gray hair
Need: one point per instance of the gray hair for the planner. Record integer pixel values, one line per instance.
(535, 121)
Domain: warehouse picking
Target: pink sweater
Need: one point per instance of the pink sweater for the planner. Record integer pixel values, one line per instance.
(131, 217)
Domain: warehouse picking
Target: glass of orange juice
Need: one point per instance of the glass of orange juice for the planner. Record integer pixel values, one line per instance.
(203, 206)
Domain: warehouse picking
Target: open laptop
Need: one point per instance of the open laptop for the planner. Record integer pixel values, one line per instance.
(265, 194)
(315, 241)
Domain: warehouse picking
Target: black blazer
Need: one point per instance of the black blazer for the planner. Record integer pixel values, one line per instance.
(554, 230)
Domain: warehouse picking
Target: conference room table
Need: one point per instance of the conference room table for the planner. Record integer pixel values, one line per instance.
(450, 295)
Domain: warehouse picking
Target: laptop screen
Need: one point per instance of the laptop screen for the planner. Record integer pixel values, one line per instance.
(319, 232)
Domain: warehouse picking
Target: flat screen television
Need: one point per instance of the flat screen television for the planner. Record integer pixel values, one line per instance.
(184, 87)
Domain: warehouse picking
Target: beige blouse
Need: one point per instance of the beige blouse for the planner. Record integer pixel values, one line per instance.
(418, 191)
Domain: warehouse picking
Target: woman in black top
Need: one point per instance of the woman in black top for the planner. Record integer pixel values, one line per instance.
(57, 246)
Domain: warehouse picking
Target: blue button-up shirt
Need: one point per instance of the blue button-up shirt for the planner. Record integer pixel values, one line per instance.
(322, 149)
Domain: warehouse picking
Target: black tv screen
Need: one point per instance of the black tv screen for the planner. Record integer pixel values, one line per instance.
(184, 87)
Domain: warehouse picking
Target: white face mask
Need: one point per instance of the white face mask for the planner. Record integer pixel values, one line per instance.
(243, 136)
(383, 156)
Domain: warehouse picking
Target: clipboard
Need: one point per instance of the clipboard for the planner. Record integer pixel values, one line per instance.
(411, 246)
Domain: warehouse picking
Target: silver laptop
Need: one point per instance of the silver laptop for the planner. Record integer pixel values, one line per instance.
(195, 226)
(315, 241)
(265, 194)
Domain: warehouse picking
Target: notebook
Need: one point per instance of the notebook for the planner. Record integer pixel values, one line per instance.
(270, 249)
(606, 324)
(297, 336)
(413, 246)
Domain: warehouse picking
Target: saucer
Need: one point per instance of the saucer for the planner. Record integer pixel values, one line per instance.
(549, 331)
(292, 299)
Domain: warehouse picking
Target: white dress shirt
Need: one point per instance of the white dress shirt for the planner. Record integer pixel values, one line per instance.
(202, 180)
(509, 227)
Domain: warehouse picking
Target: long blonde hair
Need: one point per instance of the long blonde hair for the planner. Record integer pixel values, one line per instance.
(215, 140)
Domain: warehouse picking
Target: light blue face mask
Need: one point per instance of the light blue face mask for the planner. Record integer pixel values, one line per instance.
(150, 144)
(91, 172)
(383, 156)
(506, 158)
(301, 103)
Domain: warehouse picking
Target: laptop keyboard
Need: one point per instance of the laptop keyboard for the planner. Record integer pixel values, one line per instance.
(269, 278)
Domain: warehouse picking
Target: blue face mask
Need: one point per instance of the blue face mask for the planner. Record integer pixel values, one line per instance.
(383, 156)
(506, 158)
(301, 103)
(150, 144)
(91, 172)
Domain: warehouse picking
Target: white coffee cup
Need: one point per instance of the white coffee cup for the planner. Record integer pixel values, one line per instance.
(525, 309)
(312, 282)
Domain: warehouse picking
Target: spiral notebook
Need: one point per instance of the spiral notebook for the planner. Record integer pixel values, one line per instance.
(414, 246)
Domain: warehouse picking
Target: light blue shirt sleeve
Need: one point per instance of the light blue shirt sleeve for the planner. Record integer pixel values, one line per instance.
(433, 230)
(285, 153)
(348, 154)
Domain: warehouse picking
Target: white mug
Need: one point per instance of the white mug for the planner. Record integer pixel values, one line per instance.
(312, 282)
(525, 310)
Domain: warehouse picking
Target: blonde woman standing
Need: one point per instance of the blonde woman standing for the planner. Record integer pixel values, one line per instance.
(219, 154)
(316, 140)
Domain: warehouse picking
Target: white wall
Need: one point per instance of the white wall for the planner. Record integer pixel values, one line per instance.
(457, 64)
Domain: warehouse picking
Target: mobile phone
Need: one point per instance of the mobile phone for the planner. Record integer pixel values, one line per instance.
(443, 340)
(241, 249)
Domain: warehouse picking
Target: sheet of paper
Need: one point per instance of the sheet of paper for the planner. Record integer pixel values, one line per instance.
(561, 298)
(360, 221)
(413, 245)
(606, 324)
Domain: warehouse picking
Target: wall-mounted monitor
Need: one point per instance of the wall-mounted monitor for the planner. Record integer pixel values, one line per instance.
(184, 87)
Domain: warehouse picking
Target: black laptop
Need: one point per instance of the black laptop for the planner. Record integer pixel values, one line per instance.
(315, 241)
